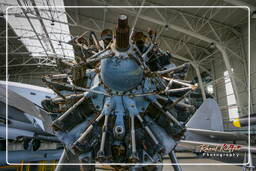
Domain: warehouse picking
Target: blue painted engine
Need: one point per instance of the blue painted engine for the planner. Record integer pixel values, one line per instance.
(122, 101)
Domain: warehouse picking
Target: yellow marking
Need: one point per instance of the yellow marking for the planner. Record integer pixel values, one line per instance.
(22, 165)
(236, 123)
(27, 167)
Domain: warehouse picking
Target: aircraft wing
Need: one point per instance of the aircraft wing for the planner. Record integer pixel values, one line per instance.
(218, 135)
(206, 128)
(19, 102)
(206, 125)
(26, 108)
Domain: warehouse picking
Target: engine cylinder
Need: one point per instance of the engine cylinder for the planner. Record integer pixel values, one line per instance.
(122, 33)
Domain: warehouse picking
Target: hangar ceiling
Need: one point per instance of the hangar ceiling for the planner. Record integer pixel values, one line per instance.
(219, 24)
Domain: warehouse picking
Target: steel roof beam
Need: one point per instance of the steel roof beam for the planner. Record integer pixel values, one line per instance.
(32, 26)
(42, 25)
(200, 37)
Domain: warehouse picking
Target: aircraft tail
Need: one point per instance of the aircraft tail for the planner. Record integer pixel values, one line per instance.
(208, 116)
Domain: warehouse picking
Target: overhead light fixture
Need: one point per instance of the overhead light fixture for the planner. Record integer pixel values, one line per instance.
(254, 14)
(52, 23)
(212, 46)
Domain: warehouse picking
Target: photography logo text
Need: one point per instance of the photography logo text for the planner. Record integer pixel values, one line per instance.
(223, 150)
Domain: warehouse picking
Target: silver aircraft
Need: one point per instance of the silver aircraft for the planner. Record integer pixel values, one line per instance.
(28, 124)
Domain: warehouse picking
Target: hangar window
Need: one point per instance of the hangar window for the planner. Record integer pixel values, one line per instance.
(209, 88)
(54, 26)
(231, 99)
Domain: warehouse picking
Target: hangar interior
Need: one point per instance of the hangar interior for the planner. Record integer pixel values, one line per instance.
(189, 34)
(213, 40)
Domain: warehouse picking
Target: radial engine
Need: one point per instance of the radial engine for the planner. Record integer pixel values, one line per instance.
(121, 100)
